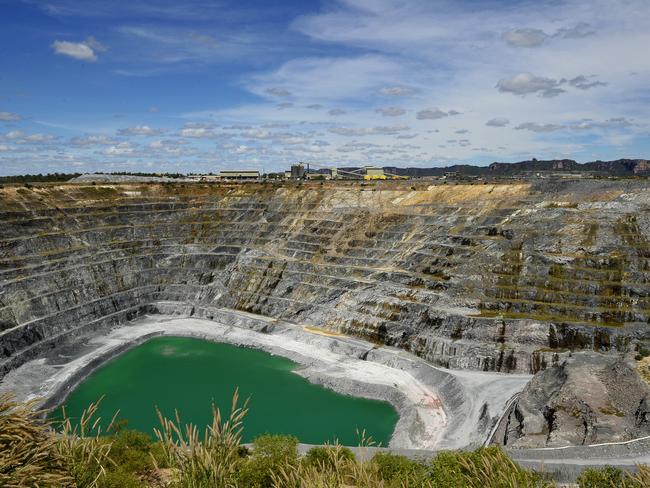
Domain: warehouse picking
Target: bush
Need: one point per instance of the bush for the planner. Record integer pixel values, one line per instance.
(483, 468)
(603, 478)
(327, 457)
(136, 452)
(28, 453)
(270, 453)
(394, 467)
(120, 478)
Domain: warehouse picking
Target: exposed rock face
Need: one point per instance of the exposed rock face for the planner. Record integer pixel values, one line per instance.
(506, 277)
(589, 398)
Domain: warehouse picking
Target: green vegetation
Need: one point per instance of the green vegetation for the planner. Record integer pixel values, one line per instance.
(39, 178)
(75, 455)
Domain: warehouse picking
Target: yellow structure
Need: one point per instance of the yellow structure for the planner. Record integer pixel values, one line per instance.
(373, 173)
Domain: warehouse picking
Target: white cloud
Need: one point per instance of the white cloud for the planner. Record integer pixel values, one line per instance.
(525, 37)
(198, 130)
(140, 130)
(535, 127)
(121, 149)
(92, 140)
(435, 114)
(497, 122)
(530, 37)
(84, 51)
(19, 137)
(528, 83)
(613, 123)
(9, 117)
(278, 92)
(397, 91)
(581, 29)
(320, 80)
(368, 131)
(583, 83)
(391, 111)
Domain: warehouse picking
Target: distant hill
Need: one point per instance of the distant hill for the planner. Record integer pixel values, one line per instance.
(619, 167)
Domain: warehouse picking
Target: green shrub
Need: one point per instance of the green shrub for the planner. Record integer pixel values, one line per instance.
(606, 477)
(394, 467)
(327, 457)
(484, 468)
(135, 451)
(120, 478)
(270, 453)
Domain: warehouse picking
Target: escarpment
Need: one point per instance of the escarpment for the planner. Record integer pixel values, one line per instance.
(498, 277)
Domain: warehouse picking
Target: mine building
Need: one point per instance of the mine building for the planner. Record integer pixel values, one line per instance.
(297, 171)
(240, 174)
(373, 173)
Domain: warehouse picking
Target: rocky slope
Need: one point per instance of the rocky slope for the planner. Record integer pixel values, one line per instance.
(588, 399)
(507, 277)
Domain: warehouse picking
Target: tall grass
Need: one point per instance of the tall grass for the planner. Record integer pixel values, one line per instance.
(77, 455)
(81, 445)
(210, 460)
(29, 454)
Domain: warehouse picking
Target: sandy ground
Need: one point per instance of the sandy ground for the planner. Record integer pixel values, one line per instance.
(333, 361)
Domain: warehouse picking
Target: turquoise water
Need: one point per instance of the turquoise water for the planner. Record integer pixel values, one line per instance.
(187, 374)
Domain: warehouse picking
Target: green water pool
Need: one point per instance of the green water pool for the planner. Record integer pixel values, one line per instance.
(187, 374)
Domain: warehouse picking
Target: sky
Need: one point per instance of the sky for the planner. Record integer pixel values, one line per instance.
(198, 86)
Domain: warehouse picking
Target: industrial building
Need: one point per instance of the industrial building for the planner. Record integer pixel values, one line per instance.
(297, 171)
(240, 174)
(373, 173)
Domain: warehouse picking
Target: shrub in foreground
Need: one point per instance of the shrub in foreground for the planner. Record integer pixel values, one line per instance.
(77, 456)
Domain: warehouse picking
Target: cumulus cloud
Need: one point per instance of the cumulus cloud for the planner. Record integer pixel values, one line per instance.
(397, 91)
(198, 130)
(9, 117)
(581, 29)
(92, 140)
(140, 130)
(612, 123)
(391, 111)
(497, 122)
(535, 127)
(356, 146)
(529, 37)
(435, 114)
(368, 131)
(525, 37)
(20, 137)
(581, 82)
(528, 83)
(83, 51)
(121, 149)
(278, 92)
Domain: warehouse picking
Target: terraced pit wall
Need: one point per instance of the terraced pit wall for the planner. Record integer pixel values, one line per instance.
(500, 277)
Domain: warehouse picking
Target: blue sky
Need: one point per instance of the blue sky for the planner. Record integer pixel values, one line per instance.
(202, 85)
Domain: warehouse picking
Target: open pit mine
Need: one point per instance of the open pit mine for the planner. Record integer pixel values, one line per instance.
(513, 313)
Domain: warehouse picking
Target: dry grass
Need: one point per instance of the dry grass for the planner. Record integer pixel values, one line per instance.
(28, 448)
(32, 454)
(211, 460)
(85, 452)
